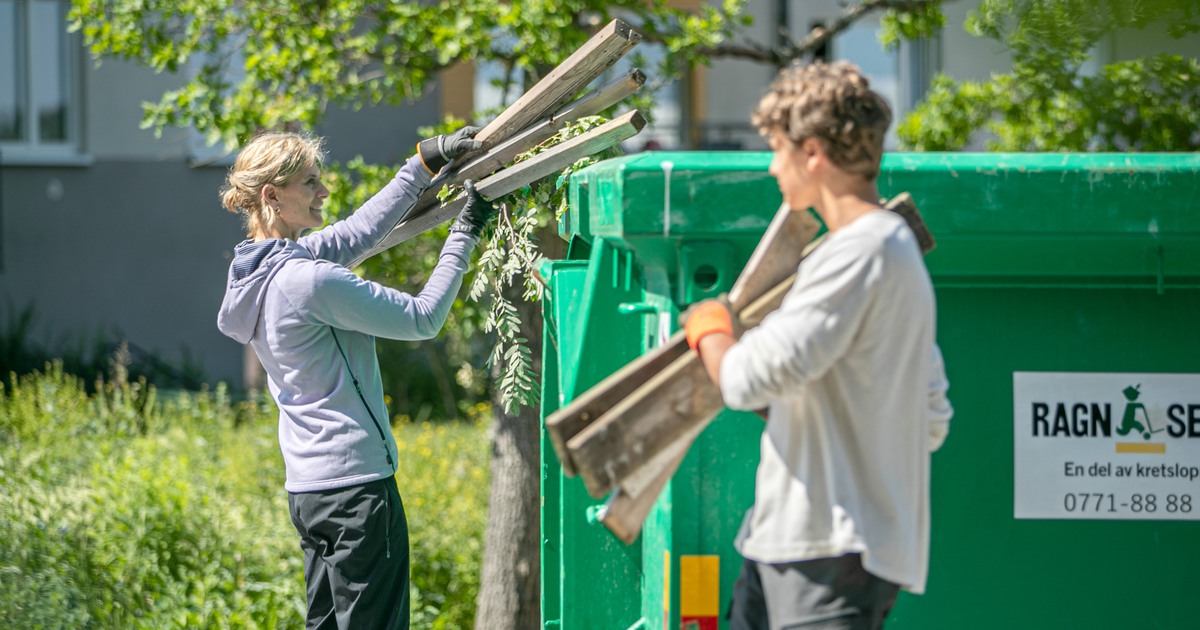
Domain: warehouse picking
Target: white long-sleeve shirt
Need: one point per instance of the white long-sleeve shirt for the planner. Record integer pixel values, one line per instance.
(850, 370)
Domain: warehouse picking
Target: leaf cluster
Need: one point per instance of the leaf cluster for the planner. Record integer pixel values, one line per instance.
(281, 64)
(919, 20)
(509, 257)
(1049, 102)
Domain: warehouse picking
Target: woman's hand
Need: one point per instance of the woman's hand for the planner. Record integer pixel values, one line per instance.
(475, 215)
(436, 152)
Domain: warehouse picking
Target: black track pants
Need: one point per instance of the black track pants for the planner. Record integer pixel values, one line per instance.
(355, 543)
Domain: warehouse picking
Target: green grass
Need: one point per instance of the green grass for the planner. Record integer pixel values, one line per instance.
(126, 509)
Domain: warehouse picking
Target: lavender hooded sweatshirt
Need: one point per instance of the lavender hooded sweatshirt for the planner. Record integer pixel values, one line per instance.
(285, 298)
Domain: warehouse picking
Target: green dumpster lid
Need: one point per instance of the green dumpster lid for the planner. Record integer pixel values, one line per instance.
(654, 203)
(1128, 219)
(1045, 218)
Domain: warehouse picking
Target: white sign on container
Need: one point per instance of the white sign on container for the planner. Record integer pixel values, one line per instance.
(1106, 446)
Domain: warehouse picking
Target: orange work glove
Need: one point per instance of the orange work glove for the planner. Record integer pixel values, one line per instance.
(707, 317)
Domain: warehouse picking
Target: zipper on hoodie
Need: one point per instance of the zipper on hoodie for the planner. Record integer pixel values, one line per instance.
(353, 379)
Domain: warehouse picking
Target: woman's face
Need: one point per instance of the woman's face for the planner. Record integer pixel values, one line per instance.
(300, 199)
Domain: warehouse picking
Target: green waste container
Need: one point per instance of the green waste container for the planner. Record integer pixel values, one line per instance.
(1068, 290)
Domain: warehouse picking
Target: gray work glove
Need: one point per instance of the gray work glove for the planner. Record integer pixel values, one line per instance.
(436, 152)
(475, 215)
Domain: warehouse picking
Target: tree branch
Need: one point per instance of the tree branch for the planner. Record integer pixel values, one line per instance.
(792, 50)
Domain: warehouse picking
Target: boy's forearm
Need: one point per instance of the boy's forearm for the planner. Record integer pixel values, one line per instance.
(712, 349)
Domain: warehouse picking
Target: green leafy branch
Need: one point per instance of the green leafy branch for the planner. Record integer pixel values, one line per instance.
(1049, 101)
(510, 256)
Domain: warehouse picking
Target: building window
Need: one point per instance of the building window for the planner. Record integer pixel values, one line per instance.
(901, 76)
(39, 117)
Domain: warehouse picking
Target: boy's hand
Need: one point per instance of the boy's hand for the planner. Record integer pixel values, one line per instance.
(705, 318)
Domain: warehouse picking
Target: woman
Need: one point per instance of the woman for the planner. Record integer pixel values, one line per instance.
(313, 323)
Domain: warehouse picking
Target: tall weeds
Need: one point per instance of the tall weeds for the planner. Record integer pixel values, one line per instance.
(123, 508)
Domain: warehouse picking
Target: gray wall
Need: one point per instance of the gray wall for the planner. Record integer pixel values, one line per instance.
(138, 249)
(381, 135)
(112, 112)
(136, 244)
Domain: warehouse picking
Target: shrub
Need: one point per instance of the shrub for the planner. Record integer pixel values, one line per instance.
(444, 483)
(125, 510)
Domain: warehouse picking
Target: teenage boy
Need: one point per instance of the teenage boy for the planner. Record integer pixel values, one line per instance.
(847, 367)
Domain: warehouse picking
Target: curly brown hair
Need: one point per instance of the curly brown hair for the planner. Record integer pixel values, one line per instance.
(833, 103)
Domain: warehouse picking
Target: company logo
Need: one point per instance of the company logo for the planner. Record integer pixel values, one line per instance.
(1133, 411)
(1148, 428)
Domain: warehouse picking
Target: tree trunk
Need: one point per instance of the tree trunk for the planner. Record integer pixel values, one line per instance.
(509, 590)
(509, 593)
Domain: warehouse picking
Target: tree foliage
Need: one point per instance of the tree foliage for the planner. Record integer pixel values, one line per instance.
(1051, 101)
(279, 63)
(282, 64)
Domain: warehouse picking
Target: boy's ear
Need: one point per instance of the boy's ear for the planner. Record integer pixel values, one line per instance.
(814, 153)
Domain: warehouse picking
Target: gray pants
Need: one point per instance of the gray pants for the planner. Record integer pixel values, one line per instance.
(355, 543)
(826, 594)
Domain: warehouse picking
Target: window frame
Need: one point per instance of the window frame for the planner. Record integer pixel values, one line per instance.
(31, 150)
(915, 63)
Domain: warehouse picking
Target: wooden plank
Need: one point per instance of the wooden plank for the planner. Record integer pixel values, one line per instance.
(624, 513)
(639, 426)
(903, 205)
(773, 258)
(641, 487)
(541, 165)
(654, 473)
(563, 155)
(672, 404)
(558, 87)
(568, 421)
(646, 475)
(767, 304)
(593, 103)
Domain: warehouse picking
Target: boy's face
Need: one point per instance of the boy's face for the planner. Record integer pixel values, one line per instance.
(791, 167)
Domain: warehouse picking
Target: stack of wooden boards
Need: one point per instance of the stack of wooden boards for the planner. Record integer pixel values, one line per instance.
(534, 118)
(630, 432)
